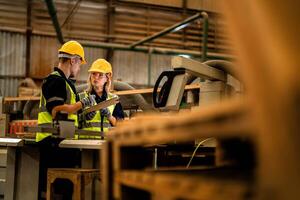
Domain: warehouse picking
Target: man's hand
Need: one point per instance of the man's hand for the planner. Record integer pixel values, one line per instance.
(88, 101)
(105, 112)
(54, 111)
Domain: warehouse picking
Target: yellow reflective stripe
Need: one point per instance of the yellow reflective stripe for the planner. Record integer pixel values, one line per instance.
(55, 99)
(69, 94)
(95, 123)
(46, 125)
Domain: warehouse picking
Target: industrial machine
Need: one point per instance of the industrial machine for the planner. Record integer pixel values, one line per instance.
(173, 82)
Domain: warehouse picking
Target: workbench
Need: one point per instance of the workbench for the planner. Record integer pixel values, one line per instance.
(23, 165)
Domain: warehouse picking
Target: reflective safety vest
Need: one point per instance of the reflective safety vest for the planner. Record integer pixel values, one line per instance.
(45, 118)
(94, 124)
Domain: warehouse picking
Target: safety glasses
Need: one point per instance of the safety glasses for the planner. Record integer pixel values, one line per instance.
(98, 74)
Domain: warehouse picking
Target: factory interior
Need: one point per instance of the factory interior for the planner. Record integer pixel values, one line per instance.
(149, 100)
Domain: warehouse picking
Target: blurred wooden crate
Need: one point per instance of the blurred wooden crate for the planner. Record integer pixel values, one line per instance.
(127, 164)
(27, 91)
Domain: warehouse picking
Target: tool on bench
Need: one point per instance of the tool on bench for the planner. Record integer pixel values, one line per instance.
(67, 129)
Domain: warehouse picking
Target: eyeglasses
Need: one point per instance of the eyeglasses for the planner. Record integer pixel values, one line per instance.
(77, 59)
(98, 74)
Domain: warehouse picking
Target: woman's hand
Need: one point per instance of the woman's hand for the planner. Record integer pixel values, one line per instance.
(108, 83)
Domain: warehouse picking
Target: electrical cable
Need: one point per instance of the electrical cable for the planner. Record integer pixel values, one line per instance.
(188, 165)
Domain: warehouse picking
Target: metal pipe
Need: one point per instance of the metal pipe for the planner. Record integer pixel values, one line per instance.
(71, 13)
(177, 26)
(223, 65)
(204, 36)
(155, 50)
(52, 13)
(138, 99)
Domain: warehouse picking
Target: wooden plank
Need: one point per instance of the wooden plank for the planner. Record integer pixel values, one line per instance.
(226, 119)
(107, 171)
(185, 186)
(101, 105)
(82, 144)
(120, 93)
(11, 142)
(12, 99)
(116, 166)
(150, 90)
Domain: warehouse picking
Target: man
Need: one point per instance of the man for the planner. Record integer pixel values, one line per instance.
(58, 92)
(99, 84)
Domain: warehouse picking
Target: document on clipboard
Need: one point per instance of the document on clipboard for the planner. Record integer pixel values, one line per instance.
(102, 104)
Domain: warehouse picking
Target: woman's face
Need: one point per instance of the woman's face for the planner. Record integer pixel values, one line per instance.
(98, 79)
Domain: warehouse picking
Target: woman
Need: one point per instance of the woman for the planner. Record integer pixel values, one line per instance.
(99, 84)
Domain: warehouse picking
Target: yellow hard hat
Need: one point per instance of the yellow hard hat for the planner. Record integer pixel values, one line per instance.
(73, 48)
(101, 65)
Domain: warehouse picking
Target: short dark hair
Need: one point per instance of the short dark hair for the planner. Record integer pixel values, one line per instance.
(63, 60)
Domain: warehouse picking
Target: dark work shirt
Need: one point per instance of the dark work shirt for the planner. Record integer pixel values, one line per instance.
(55, 86)
(118, 112)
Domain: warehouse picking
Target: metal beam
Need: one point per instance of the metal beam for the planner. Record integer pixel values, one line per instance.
(110, 26)
(71, 13)
(149, 66)
(155, 50)
(205, 35)
(28, 38)
(52, 13)
(167, 30)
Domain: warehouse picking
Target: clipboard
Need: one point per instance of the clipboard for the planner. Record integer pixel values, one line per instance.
(103, 104)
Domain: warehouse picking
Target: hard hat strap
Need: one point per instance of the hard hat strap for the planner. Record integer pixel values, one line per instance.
(64, 55)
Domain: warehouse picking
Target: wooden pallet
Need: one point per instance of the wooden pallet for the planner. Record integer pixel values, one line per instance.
(126, 160)
(267, 52)
(182, 185)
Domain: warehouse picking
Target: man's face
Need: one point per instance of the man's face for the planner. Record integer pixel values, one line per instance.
(75, 66)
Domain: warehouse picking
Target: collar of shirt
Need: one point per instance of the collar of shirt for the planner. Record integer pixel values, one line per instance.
(60, 72)
(71, 82)
(98, 98)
